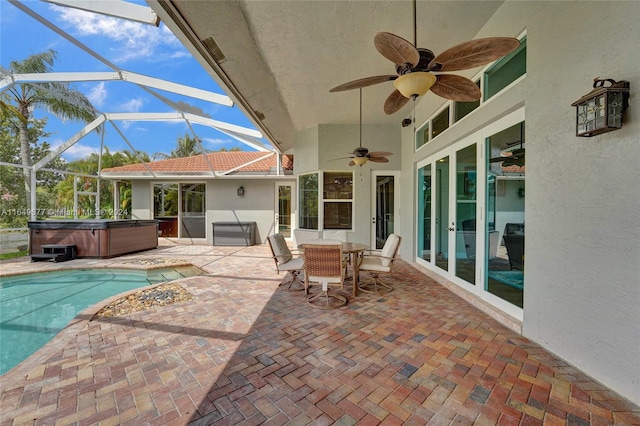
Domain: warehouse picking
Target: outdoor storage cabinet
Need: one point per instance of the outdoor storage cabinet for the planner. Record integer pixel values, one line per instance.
(234, 233)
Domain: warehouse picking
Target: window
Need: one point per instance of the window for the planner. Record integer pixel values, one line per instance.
(308, 196)
(440, 123)
(165, 196)
(506, 71)
(422, 136)
(338, 200)
(461, 109)
(497, 77)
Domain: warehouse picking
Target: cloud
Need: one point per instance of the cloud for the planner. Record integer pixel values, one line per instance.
(217, 143)
(74, 152)
(133, 41)
(97, 95)
(132, 105)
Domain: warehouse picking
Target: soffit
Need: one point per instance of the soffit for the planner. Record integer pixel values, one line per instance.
(282, 57)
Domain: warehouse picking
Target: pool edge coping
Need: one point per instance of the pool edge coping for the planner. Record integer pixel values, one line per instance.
(79, 322)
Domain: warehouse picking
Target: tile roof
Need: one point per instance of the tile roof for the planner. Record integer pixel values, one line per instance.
(513, 169)
(221, 162)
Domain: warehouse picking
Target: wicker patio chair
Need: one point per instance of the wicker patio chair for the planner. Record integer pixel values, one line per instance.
(323, 265)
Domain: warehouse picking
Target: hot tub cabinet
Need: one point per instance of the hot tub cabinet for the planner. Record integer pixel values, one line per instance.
(96, 238)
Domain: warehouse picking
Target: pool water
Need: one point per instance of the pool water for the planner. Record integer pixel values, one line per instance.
(36, 307)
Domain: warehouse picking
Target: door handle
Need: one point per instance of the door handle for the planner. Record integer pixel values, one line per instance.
(452, 229)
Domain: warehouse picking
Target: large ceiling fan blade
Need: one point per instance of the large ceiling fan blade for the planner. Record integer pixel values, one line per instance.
(456, 88)
(394, 102)
(379, 159)
(396, 49)
(380, 154)
(363, 82)
(473, 53)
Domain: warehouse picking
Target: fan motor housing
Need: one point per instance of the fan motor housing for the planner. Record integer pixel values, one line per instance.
(426, 56)
(360, 152)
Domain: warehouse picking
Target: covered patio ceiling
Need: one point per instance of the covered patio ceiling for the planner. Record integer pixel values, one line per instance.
(278, 59)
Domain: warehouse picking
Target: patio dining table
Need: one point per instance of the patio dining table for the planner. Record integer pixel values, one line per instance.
(354, 250)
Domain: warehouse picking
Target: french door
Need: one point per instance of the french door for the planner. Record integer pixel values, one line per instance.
(284, 214)
(447, 216)
(385, 200)
(464, 199)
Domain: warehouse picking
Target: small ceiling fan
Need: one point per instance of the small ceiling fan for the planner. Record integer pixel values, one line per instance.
(516, 158)
(414, 67)
(513, 157)
(361, 155)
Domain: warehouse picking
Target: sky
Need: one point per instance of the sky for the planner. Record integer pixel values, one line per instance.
(139, 48)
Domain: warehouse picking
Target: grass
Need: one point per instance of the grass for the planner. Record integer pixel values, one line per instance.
(14, 254)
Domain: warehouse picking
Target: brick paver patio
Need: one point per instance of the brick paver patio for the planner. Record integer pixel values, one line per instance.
(246, 351)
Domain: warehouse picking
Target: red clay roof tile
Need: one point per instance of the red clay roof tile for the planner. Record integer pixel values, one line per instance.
(221, 161)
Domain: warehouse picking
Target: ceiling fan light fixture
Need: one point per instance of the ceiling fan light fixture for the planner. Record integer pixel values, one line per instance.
(414, 83)
(360, 160)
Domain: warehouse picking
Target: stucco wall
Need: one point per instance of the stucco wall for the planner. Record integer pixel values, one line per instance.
(306, 151)
(223, 204)
(141, 207)
(257, 205)
(582, 286)
(583, 208)
(327, 147)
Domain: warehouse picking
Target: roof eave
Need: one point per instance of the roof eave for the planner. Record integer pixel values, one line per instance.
(192, 176)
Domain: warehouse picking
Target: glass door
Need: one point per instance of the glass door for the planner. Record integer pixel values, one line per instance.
(385, 203)
(466, 185)
(192, 214)
(441, 235)
(506, 213)
(424, 212)
(470, 196)
(165, 208)
(283, 211)
(447, 210)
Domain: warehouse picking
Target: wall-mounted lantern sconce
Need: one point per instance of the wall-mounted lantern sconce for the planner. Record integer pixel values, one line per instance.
(600, 110)
(240, 191)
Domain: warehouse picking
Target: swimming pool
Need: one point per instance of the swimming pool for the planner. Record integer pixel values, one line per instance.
(36, 307)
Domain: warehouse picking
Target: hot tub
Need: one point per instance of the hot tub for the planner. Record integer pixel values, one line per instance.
(98, 238)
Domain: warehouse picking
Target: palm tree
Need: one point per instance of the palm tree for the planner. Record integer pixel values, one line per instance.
(185, 147)
(7, 110)
(133, 157)
(58, 98)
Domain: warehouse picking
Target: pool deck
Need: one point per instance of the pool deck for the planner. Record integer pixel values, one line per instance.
(246, 351)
